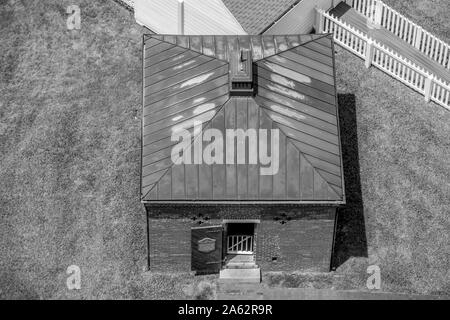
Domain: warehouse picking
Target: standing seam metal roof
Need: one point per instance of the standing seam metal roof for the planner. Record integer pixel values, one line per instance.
(186, 80)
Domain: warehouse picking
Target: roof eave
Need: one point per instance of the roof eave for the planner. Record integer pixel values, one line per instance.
(337, 118)
(244, 202)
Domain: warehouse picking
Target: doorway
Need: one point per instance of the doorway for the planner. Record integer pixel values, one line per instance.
(240, 244)
(240, 238)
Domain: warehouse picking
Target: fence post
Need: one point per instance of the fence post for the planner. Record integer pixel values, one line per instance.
(427, 88)
(378, 13)
(369, 53)
(180, 17)
(418, 38)
(318, 23)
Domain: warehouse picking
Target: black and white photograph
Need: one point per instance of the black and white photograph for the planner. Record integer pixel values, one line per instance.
(225, 154)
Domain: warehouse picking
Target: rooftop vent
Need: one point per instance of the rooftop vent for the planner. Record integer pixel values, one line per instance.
(241, 74)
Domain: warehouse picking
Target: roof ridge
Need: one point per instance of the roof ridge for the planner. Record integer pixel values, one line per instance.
(190, 145)
(293, 144)
(329, 185)
(232, 15)
(256, 16)
(332, 188)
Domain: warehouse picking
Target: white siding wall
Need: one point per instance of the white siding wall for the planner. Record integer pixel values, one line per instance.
(300, 19)
(201, 17)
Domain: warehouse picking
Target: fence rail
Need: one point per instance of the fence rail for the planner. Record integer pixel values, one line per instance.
(385, 59)
(405, 29)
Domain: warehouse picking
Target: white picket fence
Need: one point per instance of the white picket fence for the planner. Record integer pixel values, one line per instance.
(385, 59)
(405, 29)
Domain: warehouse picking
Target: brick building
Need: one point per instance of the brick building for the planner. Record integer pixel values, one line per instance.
(241, 155)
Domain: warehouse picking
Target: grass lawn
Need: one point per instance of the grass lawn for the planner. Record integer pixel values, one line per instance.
(405, 178)
(69, 165)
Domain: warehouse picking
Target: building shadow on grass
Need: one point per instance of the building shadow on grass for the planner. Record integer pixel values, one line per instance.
(350, 237)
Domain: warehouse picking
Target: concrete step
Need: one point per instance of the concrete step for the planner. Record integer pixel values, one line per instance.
(240, 275)
(241, 265)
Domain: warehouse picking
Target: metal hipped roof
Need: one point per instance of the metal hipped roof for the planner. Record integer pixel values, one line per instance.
(186, 79)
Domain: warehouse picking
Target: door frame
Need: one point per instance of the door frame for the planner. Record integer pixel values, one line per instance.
(256, 221)
(225, 223)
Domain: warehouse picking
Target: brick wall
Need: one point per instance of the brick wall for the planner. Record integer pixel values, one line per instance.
(170, 243)
(295, 245)
(300, 238)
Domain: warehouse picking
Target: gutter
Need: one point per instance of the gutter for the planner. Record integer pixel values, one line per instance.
(242, 202)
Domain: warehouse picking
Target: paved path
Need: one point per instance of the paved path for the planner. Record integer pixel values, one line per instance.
(258, 292)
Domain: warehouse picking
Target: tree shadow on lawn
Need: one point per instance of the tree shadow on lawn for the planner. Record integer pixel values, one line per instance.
(350, 238)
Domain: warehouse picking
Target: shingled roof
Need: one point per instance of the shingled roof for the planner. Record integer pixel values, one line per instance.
(186, 79)
(255, 16)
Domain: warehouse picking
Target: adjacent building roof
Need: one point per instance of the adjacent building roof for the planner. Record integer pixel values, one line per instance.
(217, 17)
(213, 17)
(255, 16)
(186, 79)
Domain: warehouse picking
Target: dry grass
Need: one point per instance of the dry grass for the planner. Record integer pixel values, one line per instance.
(70, 147)
(405, 173)
(69, 163)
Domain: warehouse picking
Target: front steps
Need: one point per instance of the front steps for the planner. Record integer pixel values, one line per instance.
(240, 275)
(241, 265)
(240, 268)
